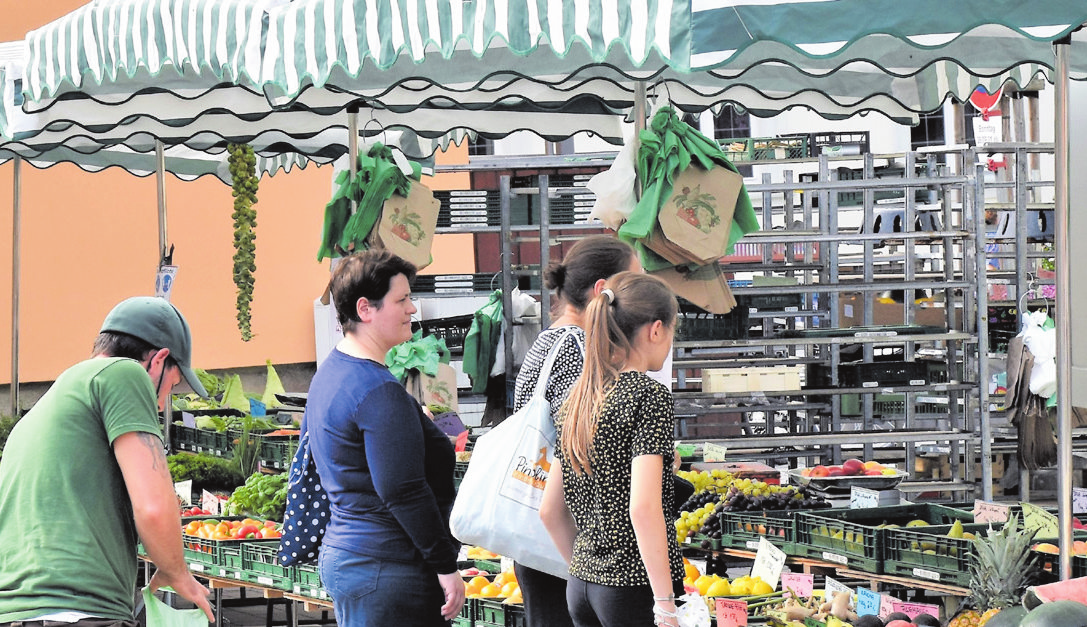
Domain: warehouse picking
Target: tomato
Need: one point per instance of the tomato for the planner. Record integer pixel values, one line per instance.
(272, 533)
(270, 523)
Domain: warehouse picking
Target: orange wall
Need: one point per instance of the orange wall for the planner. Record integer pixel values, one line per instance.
(90, 240)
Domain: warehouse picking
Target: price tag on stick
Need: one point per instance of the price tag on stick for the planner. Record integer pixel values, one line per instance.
(730, 613)
(913, 610)
(833, 585)
(769, 562)
(1042, 522)
(803, 584)
(868, 601)
(985, 511)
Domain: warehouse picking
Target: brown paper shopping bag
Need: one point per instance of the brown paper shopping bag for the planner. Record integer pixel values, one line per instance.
(437, 390)
(705, 287)
(407, 224)
(697, 216)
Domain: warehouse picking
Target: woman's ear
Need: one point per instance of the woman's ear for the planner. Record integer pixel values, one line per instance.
(598, 287)
(363, 309)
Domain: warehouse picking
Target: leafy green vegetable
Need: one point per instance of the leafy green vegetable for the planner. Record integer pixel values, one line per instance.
(213, 384)
(233, 395)
(205, 471)
(262, 496)
(272, 387)
(246, 450)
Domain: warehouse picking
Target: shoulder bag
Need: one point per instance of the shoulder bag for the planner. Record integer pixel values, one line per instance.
(307, 512)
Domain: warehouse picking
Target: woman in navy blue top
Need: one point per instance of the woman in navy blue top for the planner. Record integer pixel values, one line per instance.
(387, 557)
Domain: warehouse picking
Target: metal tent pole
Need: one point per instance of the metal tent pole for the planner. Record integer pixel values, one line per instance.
(16, 227)
(1063, 313)
(353, 144)
(160, 182)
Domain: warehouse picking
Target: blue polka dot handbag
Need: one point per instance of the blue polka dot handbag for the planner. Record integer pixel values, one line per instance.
(307, 511)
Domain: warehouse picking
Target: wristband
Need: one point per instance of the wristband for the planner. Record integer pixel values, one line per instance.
(670, 597)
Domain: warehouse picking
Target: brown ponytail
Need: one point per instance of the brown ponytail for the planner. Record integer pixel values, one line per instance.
(629, 302)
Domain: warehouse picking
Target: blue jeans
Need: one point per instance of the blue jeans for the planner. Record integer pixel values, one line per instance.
(369, 592)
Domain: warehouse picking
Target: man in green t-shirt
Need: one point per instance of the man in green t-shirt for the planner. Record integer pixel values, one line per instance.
(84, 474)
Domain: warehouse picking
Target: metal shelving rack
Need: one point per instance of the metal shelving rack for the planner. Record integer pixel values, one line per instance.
(829, 257)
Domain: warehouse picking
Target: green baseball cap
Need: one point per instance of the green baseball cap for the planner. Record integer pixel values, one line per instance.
(161, 325)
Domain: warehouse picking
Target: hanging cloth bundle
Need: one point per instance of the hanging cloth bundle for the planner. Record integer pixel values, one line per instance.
(377, 179)
(667, 148)
(1037, 445)
(481, 343)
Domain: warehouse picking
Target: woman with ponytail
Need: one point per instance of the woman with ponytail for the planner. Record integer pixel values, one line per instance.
(575, 281)
(608, 505)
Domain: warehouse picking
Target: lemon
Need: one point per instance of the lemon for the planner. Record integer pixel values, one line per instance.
(741, 588)
(761, 587)
(720, 588)
(691, 571)
(703, 584)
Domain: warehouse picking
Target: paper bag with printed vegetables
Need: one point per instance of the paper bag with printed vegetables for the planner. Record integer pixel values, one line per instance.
(697, 216)
(437, 390)
(705, 286)
(407, 225)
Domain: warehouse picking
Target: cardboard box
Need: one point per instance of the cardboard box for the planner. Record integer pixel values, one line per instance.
(742, 380)
(851, 313)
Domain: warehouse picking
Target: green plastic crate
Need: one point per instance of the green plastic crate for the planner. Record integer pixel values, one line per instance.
(927, 553)
(201, 553)
(854, 538)
(742, 530)
(306, 581)
(229, 562)
(491, 612)
(459, 470)
(515, 615)
(183, 438)
(260, 566)
(277, 451)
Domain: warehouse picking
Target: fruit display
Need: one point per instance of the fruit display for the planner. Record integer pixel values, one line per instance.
(1001, 570)
(852, 472)
(503, 586)
(244, 529)
(195, 511)
(718, 492)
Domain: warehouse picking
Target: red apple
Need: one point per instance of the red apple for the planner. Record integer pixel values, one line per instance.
(819, 471)
(853, 467)
(874, 472)
(835, 471)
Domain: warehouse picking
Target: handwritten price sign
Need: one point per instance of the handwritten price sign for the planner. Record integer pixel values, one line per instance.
(1042, 522)
(868, 602)
(769, 561)
(731, 613)
(862, 498)
(803, 584)
(833, 585)
(985, 511)
(913, 610)
(714, 452)
(1079, 500)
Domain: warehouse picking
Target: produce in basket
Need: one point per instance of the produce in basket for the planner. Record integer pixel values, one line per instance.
(262, 496)
(1001, 568)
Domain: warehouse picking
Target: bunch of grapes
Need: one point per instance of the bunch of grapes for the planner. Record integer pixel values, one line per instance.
(243, 171)
(766, 497)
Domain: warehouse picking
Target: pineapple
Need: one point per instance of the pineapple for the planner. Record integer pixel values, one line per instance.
(1001, 568)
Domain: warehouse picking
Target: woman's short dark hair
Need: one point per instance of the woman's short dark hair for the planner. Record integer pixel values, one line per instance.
(591, 259)
(365, 275)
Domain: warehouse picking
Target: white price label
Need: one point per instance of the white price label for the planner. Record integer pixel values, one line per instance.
(834, 557)
(183, 490)
(833, 585)
(713, 452)
(197, 567)
(862, 498)
(921, 573)
(769, 562)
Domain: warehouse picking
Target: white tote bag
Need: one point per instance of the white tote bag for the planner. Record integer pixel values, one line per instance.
(498, 503)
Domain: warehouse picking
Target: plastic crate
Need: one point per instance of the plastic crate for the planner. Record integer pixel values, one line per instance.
(277, 451)
(229, 561)
(887, 405)
(183, 438)
(834, 142)
(515, 615)
(491, 612)
(469, 208)
(455, 283)
(704, 542)
(744, 149)
(467, 612)
(927, 553)
(706, 326)
(884, 373)
(452, 329)
(306, 581)
(770, 302)
(742, 530)
(854, 538)
(260, 565)
(459, 470)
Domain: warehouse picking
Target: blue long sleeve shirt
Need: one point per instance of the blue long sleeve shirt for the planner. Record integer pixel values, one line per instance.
(387, 468)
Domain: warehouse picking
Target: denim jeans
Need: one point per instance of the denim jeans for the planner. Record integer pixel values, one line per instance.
(370, 592)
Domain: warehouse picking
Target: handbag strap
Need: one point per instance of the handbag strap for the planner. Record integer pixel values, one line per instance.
(549, 363)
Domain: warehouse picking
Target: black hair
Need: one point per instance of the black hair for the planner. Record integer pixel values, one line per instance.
(365, 275)
(117, 344)
(591, 259)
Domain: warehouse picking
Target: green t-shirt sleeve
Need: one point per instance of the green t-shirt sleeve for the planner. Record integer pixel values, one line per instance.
(126, 400)
(654, 434)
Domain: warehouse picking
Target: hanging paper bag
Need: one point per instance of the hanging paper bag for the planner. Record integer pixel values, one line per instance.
(697, 215)
(705, 287)
(407, 225)
(439, 389)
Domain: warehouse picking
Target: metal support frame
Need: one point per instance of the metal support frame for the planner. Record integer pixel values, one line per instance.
(16, 228)
(1063, 316)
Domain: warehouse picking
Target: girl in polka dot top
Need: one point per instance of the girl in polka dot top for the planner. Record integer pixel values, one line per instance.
(607, 505)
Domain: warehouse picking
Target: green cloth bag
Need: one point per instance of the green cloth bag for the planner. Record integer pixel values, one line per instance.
(667, 148)
(161, 615)
(481, 343)
(422, 353)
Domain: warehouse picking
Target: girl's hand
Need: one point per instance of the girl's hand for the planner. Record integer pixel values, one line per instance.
(664, 613)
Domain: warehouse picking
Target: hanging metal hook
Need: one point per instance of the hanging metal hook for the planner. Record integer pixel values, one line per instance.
(381, 128)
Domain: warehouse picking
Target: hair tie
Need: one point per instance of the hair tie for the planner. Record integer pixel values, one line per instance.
(610, 294)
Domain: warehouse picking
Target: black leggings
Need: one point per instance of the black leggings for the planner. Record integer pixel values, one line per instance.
(594, 605)
(545, 598)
